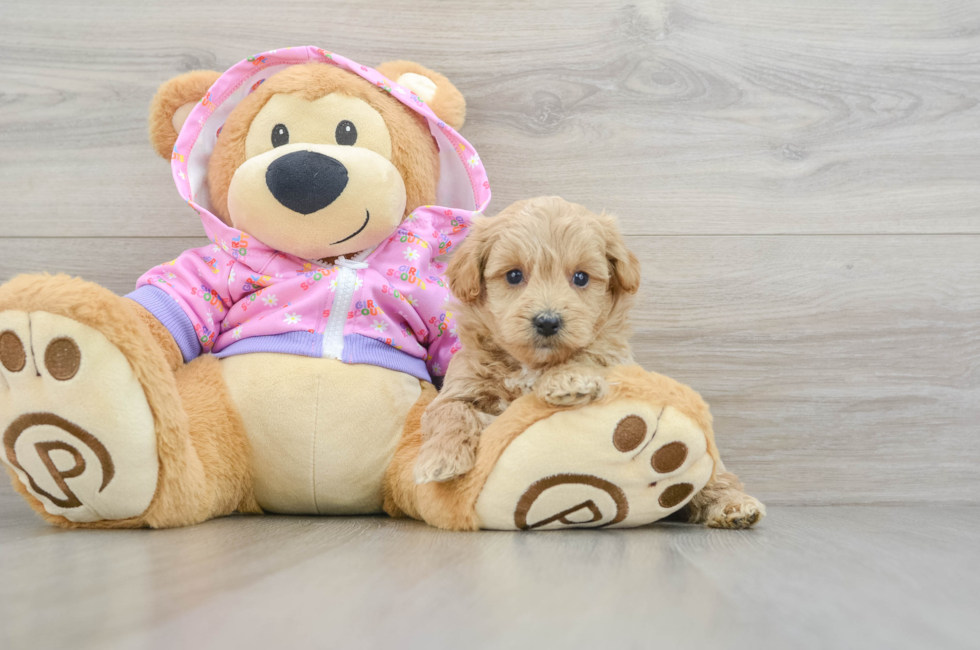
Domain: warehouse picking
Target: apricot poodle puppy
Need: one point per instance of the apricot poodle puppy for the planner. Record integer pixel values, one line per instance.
(544, 291)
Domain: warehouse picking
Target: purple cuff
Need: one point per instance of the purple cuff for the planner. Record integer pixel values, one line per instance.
(166, 310)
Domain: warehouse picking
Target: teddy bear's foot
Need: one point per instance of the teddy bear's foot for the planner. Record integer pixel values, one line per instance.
(619, 463)
(77, 429)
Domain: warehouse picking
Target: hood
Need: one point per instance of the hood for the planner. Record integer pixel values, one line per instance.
(463, 186)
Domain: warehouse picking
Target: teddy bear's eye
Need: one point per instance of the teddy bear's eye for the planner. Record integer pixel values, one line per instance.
(346, 133)
(280, 135)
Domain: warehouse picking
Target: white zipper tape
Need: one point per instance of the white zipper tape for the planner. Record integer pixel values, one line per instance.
(333, 334)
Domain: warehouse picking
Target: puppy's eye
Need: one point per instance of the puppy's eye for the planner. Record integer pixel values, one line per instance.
(580, 279)
(346, 133)
(514, 276)
(280, 135)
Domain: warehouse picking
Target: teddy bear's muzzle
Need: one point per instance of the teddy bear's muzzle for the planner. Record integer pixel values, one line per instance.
(317, 200)
(306, 181)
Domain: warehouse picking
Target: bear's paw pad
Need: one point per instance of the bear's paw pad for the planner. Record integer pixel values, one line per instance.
(622, 464)
(77, 429)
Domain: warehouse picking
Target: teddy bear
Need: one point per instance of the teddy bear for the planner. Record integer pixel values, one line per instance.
(284, 368)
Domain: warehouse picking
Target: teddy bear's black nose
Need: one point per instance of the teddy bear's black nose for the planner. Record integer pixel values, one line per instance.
(306, 181)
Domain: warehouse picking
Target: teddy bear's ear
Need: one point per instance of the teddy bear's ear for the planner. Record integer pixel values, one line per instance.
(173, 103)
(431, 87)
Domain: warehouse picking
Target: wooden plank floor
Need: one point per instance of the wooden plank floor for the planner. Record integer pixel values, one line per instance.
(822, 577)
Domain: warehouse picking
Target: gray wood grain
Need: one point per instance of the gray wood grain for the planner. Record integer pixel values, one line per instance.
(683, 116)
(869, 577)
(114, 262)
(840, 369)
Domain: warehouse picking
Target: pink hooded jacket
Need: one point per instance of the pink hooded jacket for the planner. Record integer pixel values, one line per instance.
(386, 306)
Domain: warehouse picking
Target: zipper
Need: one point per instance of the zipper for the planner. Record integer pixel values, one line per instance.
(333, 333)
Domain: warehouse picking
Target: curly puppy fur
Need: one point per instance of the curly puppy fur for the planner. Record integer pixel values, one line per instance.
(722, 503)
(503, 354)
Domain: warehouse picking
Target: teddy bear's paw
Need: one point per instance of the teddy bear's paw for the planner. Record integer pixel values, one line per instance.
(571, 389)
(77, 429)
(735, 509)
(443, 458)
(619, 464)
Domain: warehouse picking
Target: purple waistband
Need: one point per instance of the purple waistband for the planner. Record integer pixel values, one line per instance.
(357, 349)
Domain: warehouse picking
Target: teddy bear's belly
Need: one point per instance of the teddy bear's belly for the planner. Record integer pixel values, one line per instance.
(322, 431)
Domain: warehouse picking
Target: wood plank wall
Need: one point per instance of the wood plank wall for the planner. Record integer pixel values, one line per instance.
(801, 181)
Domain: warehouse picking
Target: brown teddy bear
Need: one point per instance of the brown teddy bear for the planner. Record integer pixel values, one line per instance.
(285, 367)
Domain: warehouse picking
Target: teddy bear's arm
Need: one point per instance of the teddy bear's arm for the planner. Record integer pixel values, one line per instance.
(164, 339)
(190, 297)
(443, 344)
(442, 231)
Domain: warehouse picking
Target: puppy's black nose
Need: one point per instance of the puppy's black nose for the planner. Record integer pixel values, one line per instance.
(547, 324)
(306, 181)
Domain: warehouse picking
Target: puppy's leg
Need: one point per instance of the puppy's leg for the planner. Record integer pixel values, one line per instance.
(571, 385)
(450, 432)
(723, 504)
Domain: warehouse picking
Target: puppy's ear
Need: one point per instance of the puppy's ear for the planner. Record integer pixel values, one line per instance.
(625, 266)
(431, 87)
(173, 103)
(465, 271)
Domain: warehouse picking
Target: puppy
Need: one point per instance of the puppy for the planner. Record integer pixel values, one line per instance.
(544, 290)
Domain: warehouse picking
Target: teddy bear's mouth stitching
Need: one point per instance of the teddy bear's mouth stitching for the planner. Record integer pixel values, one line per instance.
(367, 218)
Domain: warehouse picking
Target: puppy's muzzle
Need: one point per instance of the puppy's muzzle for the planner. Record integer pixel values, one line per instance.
(547, 324)
(306, 181)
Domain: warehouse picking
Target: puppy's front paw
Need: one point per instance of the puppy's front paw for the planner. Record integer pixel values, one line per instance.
(442, 459)
(570, 389)
(736, 510)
